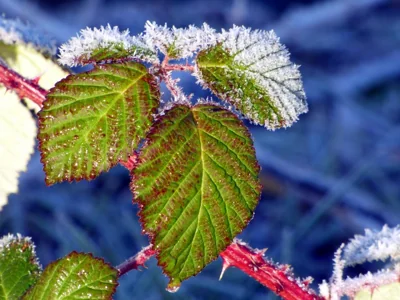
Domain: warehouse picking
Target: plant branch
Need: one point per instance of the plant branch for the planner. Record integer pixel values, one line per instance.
(24, 88)
(278, 278)
(186, 67)
(136, 261)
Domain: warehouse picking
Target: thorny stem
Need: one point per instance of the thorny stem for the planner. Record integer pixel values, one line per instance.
(164, 73)
(278, 279)
(136, 261)
(24, 88)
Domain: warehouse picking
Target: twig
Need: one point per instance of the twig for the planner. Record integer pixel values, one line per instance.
(136, 261)
(24, 88)
(177, 67)
(278, 278)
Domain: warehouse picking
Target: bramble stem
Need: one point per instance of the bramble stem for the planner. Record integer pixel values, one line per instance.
(136, 261)
(277, 278)
(186, 67)
(24, 88)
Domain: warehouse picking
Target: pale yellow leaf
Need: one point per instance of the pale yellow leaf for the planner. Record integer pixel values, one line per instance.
(17, 141)
(385, 292)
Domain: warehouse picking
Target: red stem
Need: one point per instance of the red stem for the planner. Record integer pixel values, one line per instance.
(188, 68)
(278, 278)
(136, 261)
(24, 88)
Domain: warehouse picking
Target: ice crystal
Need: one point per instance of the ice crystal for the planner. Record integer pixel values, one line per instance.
(179, 42)
(17, 32)
(373, 245)
(10, 239)
(79, 49)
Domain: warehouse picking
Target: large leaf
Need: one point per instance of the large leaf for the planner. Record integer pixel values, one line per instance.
(19, 268)
(252, 71)
(17, 141)
(197, 186)
(76, 276)
(92, 120)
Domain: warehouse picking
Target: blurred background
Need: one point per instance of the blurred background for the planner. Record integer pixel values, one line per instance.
(329, 176)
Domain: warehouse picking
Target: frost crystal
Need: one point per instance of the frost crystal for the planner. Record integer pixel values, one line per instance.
(9, 239)
(179, 42)
(267, 61)
(79, 49)
(373, 246)
(16, 32)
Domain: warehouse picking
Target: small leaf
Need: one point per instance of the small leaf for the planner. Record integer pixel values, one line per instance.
(252, 71)
(76, 276)
(90, 121)
(19, 268)
(386, 292)
(17, 141)
(196, 183)
(106, 43)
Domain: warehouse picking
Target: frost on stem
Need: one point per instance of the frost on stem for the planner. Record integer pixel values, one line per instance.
(373, 245)
(252, 70)
(102, 44)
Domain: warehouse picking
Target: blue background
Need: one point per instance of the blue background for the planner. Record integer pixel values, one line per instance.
(329, 176)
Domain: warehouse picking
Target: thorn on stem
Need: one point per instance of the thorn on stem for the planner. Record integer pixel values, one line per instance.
(225, 266)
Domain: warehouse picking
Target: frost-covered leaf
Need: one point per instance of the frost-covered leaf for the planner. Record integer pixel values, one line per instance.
(373, 245)
(386, 292)
(19, 268)
(196, 183)
(252, 71)
(17, 141)
(76, 276)
(106, 43)
(179, 42)
(92, 120)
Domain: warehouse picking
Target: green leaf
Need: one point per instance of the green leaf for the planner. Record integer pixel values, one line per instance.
(252, 71)
(92, 120)
(19, 268)
(76, 276)
(196, 183)
(386, 292)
